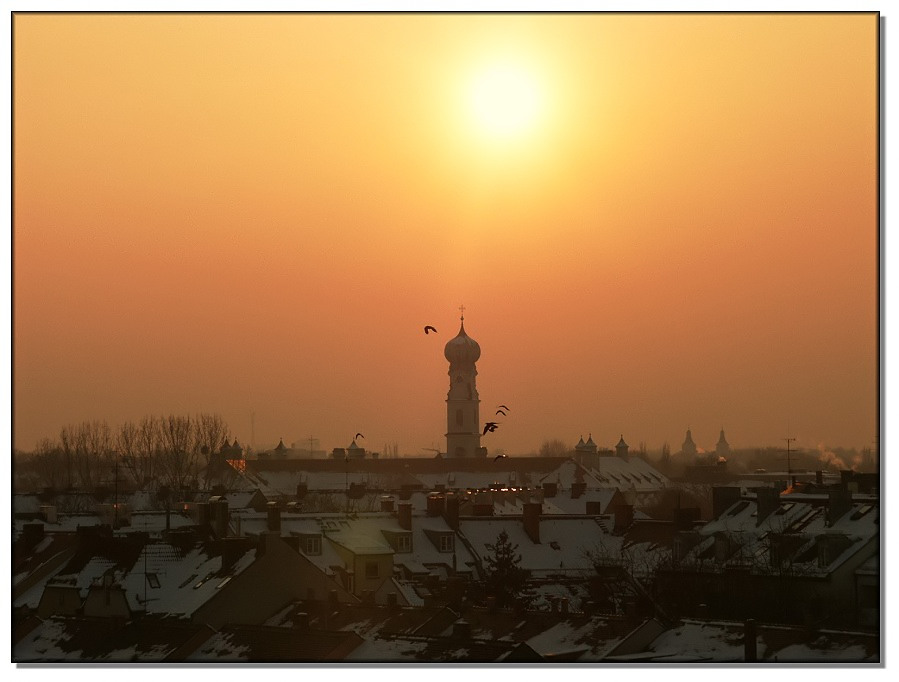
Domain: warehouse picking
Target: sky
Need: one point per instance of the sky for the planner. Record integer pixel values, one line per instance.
(654, 221)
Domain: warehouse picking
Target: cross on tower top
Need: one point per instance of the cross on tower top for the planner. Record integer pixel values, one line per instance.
(462, 312)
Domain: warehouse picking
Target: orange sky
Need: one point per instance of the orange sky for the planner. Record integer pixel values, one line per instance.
(259, 213)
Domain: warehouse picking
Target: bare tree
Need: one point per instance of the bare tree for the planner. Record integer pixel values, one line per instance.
(148, 444)
(210, 434)
(554, 448)
(178, 457)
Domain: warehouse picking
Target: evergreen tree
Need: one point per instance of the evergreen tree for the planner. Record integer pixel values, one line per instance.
(505, 577)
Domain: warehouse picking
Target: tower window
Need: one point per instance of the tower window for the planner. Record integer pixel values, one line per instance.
(458, 417)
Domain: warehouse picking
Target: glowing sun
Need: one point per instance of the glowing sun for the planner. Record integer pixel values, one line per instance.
(505, 101)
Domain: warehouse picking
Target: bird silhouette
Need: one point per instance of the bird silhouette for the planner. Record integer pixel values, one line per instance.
(359, 435)
(490, 426)
(433, 329)
(503, 407)
(499, 457)
(501, 412)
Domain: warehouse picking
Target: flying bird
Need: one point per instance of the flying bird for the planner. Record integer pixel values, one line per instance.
(489, 426)
(433, 329)
(359, 435)
(503, 407)
(501, 412)
(499, 457)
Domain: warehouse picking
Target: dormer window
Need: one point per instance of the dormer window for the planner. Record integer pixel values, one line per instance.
(446, 543)
(312, 545)
(404, 543)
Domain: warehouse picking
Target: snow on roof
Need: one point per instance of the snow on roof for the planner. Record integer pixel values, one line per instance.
(564, 543)
(566, 636)
(79, 640)
(717, 641)
(185, 584)
(387, 650)
(632, 472)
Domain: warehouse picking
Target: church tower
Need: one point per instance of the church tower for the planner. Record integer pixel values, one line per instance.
(463, 433)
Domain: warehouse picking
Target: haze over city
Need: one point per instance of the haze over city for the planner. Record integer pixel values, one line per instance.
(674, 224)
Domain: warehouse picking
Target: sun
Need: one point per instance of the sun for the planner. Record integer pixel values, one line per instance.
(505, 100)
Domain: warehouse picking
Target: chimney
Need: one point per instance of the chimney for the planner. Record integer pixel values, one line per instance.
(302, 489)
(722, 498)
(624, 517)
(550, 489)
(483, 504)
(391, 601)
(404, 516)
(274, 517)
(218, 509)
(301, 620)
(838, 503)
(819, 477)
(386, 503)
(462, 629)
(563, 605)
(452, 511)
(749, 641)
(578, 488)
(767, 501)
(531, 517)
(436, 504)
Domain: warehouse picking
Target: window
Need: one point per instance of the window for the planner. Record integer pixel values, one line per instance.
(313, 545)
(446, 543)
(153, 580)
(404, 543)
(371, 569)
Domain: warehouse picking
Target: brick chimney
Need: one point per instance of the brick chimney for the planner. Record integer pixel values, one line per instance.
(578, 488)
(274, 517)
(404, 516)
(386, 503)
(767, 501)
(838, 503)
(436, 504)
(550, 489)
(531, 518)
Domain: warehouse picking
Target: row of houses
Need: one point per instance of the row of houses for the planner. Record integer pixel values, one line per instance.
(235, 560)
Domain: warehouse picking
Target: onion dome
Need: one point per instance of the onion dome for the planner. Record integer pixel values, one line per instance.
(462, 350)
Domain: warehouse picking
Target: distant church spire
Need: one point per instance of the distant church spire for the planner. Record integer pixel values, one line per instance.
(463, 428)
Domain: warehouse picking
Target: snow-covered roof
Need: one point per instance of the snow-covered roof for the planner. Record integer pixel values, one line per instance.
(564, 544)
(723, 642)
